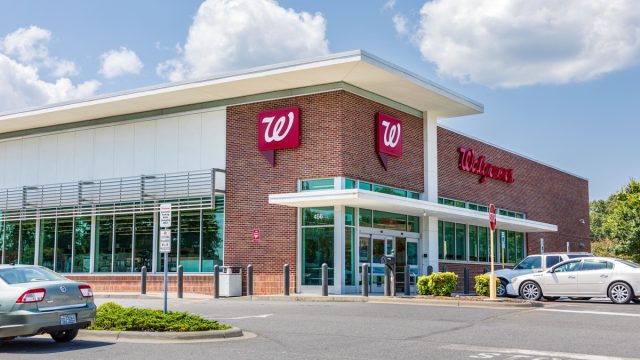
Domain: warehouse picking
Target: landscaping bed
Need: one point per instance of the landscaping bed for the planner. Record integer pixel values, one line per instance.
(113, 317)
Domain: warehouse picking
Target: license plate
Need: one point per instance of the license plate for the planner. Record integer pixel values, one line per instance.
(67, 319)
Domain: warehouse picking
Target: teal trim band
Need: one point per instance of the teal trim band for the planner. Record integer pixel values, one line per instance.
(308, 90)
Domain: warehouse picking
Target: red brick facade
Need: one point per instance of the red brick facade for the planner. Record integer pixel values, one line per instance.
(337, 139)
(541, 192)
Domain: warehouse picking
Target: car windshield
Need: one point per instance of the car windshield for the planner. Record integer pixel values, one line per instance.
(531, 262)
(21, 275)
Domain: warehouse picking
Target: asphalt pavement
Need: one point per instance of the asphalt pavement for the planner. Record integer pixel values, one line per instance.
(344, 330)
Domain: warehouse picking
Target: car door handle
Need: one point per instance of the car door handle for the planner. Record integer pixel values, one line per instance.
(604, 276)
(571, 277)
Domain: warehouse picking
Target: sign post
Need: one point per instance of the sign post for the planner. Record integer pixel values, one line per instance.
(492, 277)
(165, 246)
(503, 244)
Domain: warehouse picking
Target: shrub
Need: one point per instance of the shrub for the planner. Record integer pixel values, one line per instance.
(442, 283)
(439, 284)
(423, 285)
(111, 316)
(482, 284)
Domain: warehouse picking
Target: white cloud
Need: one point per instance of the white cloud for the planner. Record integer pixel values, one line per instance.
(389, 5)
(29, 46)
(22, 54)
(400, 23)
(235, 34)
(512, 43)
(120, 62)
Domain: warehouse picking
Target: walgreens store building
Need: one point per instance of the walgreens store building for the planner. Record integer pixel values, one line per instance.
(336, 160)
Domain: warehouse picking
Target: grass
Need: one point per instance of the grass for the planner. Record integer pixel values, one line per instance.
(113, 317)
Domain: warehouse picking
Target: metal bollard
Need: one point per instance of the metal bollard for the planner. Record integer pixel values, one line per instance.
(485, 270)
(365, 279)
(429, 270)
(143, 280)
(466, 281)
(407, 280)
(285, 270)
(325, 279)
(216, 282)
(387, 281)
(249, 280)
(180, 283)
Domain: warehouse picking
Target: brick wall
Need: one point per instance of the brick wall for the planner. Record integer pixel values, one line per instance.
(543, 193)
(198, 284)
(337, 139)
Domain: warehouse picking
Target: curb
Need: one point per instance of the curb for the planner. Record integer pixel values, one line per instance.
(116, 336)
(396, 300)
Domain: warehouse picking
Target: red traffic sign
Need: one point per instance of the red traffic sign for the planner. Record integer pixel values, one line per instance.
(255, 236)
(492, 216)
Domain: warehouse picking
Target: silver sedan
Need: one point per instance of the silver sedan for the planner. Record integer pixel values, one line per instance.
(582, 279)
(35, 300)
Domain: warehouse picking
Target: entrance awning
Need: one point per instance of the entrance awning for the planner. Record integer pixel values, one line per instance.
(378, 201)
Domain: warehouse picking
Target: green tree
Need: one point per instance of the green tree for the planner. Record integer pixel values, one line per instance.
(615, 223)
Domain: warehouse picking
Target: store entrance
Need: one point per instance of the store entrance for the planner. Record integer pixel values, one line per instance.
(405, 250)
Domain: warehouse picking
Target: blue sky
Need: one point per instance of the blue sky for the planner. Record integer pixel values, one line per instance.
(558, 85)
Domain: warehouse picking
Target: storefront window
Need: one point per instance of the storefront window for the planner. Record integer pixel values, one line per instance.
(189, 256)
(473, 243)
(11, 240)
(213, 235)
(104, 243)
(173, 255)
(143, 253)
(349, 246)
(47, 242)
(511, 247)
(365, 217)
(461, 246)
(317, 184)
(390, 221)
(441, 240)
(317, 244)
(483, 244)
(520, 253)
(124, 239)
(64, 245)
(82, 245)
(449, 240)
(349, 184)
(27, 242)
(412, 253)
(413, 224)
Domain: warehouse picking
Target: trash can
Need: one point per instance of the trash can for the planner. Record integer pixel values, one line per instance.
(230, 281)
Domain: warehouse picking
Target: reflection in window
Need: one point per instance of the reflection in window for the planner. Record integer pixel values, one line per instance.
(143, 242)
(82, 245)
(64, 245)
(47, 242)
(11, 238)
(124, 238)
(27, 242)
(190, 240)
(212, 235)
(104, 243)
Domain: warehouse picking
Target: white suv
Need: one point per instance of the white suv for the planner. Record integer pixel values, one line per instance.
(531, 264)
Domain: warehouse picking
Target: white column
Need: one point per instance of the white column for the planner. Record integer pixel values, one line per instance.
(430, 126)
(430, 223)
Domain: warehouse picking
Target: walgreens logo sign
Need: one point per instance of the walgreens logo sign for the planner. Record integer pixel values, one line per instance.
(469, 162)
(389, 133)
(278, 129)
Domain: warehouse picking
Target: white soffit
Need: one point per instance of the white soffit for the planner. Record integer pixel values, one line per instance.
(385, 202)
(357, 68)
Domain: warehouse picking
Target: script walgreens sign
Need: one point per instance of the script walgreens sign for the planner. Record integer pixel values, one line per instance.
(469, 162)
(389, 133)
(278, 129)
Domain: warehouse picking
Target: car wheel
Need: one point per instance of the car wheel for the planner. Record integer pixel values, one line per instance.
(620, 293)
(530, 291)
(64, 335)
(551, 298)
(580, 298)
(501, 289)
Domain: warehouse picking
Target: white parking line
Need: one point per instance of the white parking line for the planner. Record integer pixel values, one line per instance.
(608, 313)
(481, 352)
(263, 316)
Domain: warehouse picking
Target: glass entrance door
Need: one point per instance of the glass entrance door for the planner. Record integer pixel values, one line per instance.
(401, 262)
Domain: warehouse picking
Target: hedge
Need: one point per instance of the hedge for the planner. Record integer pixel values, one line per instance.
(111, 316)
(482, 284)
(439, 284)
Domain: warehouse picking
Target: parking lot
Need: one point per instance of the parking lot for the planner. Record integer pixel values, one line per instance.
(338, 330)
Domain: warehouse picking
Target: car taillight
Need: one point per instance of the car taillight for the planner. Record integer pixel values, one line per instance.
(31, 296)
(86, 291)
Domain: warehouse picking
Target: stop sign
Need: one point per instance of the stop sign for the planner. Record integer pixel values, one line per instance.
(492, 216)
